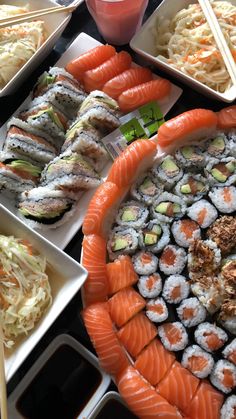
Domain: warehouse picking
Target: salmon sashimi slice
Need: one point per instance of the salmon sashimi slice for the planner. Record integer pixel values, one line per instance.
(134, 159)
(141, 397)
(124, 81)
(100, 212)
(206, 403)
(96, 78)
(124, 305)
(227, 118)
(137, 334)
(143, 93)
(191, 125)
(121, 274)
(178, 386)
(94, 260)
(89, 60)
(111, 354)
(154, 362)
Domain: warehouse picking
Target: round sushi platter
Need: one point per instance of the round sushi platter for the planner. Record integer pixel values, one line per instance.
(159, 247)
(60, 233)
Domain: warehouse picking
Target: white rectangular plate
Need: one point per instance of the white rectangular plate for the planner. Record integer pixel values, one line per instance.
(66, 277)
(63, 234)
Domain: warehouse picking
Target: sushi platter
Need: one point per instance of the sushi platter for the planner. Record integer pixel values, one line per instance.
(61, 235)
(162, 268)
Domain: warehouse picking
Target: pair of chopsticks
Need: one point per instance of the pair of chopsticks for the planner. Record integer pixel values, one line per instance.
(3, 387)
(15, 20)
(219, 38)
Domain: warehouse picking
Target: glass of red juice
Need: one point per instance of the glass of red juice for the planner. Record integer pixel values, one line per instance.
(117, 20)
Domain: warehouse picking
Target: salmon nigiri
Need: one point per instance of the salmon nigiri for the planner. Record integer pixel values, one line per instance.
(143, 93)
(137, 333)
(206, 403)
(99, 326)
(129, 78)
(134, 159)
(227, 117)
(124, 305)
(96, 78)
(142, 398)
(121, 274)
(94, 260)
(89, 60)
(191, 125)
(101, 208)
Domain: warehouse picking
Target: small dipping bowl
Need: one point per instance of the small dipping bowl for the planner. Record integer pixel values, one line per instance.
(111, 406)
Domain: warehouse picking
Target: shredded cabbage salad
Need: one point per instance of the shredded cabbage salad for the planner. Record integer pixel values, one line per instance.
(186, 43)
(25, 291)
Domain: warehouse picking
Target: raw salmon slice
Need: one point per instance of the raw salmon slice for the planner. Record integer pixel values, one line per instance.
(227, 117)
(94, 260)
(143, 93)
(124, 305)
(121, 274)
(178, 386)
(134, 159)
(141, 397)
(99, 326)
(96, 78)
(206, 403)
(129, 78)
(90, 60)
(154, 362)
(193, 124)
(137, 333)
(101, 208)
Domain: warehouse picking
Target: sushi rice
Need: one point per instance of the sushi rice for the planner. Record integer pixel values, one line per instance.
(191, 312)
(150, 286)
(156, 310)
(190, 359)
(176, 288)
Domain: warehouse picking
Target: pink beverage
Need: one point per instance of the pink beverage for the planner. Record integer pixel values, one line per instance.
(117, 20)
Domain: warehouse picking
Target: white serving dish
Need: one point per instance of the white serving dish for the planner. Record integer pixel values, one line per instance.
(144, 44)
(111, 395)
(54, 25)
(66, 278)
(62, 235)
(42, 360)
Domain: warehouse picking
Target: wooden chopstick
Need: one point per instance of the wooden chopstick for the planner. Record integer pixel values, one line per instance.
(14, 20)
(219, 38)
(3, 386)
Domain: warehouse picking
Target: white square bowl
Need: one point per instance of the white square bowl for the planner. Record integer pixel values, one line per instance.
(144, 44)
(54, 25)
(66, 277)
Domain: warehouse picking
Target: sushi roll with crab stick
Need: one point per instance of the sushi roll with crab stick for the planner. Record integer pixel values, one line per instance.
(172, 260)
(203, 213)
(198, 361)
(223, 376)
(168, 172)
(154, 236)
(168, 207)
(176, 288)
(210, 337)
(191, 188)
(145, 263)
(191, 312)
(221, 172)
(122, 241)
(150, 286)
(224, 198)
(185, 231)
(132, 214)
(18, 175)
(229, 408)
(190, 157)
(230, 352)
(146, 189)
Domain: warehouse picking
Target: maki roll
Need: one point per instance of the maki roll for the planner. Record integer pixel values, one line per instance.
(100, 110)
(44, 206)
(173, 336)
(191, 188)
(132, 214)
(184, 231)
(232, 143)
(122, 242)
(229, 408)
(217, 147)
(156, 310)
(145, 263)
(18, 175)
(168, 172)
(27, 145)
(168, 207)
(204, 258)
(190, 157)
(150, 286)
(227, 316)
(223, 376)
(209, 290)
(172, 260)
(230, 352)
(191, 312)
(71, 172)
(146, 189)
(203, 213)
(223, 233)
(154, 236)
(224, 198)
(227, 274)
(210, 337)
(198, 361)
(176, 288)
(221, 172)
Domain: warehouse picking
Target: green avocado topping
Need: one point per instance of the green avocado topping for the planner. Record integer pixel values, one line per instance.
(218, 175)
(216, 145)
(38, 214)
(169, 167)
(231, 166)
(187, 152)
(76, 126)
(129, 214)
(45, 80)
(147, 187)
(51, 115)
(119, 244)
(25, 166)
(162, 207)
(150, 238)
(106, 100)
